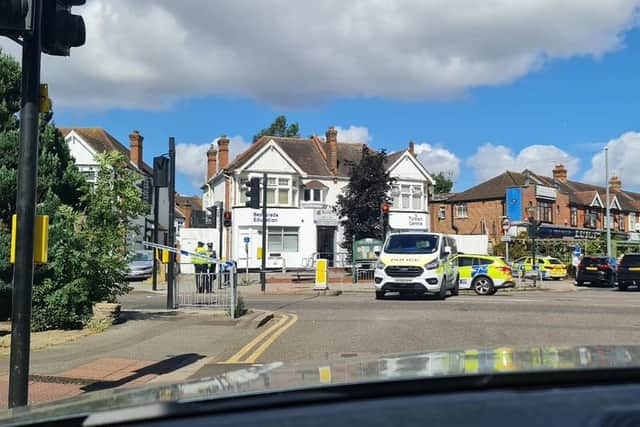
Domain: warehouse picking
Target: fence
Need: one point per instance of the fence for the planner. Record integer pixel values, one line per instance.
(209, 289)
(364, 274)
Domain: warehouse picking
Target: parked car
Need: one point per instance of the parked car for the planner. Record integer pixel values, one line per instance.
(597, 270)
(140, 266)
(628, 271)
(549, 267)
(483, 273)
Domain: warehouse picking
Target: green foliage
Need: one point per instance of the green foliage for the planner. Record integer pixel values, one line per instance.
(443, 183)
(279, 127)
(359, 206)
(9, 92)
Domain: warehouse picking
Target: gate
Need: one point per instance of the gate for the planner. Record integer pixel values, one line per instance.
(213, 290)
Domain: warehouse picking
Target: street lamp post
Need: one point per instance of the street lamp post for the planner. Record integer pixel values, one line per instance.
(608, 213)
(533, 232)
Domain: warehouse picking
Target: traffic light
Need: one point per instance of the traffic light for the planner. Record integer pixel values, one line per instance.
(253, 193)
(61, 30)
(16, 16)
(384, 217)
(227, 219)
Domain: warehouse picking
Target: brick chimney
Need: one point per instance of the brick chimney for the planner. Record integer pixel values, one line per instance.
(223, 152)
(332, 150)
(212, 162)
(560, 173)
(412, 148)
(187, 209)
(615, 184)
(135, 148)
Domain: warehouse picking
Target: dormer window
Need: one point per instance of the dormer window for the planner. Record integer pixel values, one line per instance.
(314, 192)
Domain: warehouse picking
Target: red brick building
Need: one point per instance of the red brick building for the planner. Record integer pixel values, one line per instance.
(566, 208)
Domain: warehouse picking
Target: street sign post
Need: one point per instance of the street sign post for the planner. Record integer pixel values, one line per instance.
(506, 225)
(247, 239)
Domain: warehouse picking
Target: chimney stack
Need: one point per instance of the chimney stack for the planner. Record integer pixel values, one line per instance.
(615, 184)
(135, 149)
(223, 152)
(212, 160)
(560, 173)
(412, 148)
(332, 150)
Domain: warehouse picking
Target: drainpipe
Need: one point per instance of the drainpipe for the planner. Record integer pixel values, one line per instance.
(453, 225)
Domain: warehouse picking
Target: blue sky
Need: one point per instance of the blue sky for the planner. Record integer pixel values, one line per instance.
(570, 97)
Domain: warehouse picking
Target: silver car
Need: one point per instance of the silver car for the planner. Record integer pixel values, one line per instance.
(141, 266)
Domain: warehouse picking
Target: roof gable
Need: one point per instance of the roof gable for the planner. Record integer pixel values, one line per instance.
(596, 201)
(271, 158)
(407, 166)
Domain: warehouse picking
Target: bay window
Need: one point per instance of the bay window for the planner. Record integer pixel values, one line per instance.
(281, 191)
(408, 197)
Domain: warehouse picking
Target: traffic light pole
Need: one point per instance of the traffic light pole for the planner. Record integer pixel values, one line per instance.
(156, 215)
(263, 268)
(171, 226)
(26, 212)
(220, 234)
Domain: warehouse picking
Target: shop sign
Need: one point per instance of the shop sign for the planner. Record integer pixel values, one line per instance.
(272, 217)
(545, 192)
(409, 221)
(325, 217)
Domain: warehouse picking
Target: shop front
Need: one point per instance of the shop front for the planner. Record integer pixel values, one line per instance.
(409, 221)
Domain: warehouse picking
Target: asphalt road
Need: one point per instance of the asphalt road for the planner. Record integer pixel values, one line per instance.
(356, 324)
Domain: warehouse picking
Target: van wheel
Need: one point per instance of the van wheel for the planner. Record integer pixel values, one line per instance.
(442, 295)
(379, 294)
(622, 286)
(482, 285)
(456, 287)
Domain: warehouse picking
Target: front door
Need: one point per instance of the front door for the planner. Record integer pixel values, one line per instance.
(326, 243)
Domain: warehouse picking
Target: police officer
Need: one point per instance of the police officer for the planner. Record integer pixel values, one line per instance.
(211, 270)
(200, 266)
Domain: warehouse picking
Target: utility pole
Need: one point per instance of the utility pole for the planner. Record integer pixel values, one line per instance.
(263, 268)
(220, 235)
(606, 185)
(156, 215)
(26, 212)
(172, 231)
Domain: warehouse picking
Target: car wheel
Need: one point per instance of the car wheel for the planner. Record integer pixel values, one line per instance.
(379, 294)
(579, 283)
(482, 285)
(442, 294)
(493, 291)
(456, 287)
(612, 282)
(622, 286)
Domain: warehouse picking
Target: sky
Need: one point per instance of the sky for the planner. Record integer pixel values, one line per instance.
(480, 87)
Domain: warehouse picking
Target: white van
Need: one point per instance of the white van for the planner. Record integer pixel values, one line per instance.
(417, 262)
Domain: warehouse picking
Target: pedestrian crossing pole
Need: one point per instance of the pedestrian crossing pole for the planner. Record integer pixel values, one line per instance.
(263, 268)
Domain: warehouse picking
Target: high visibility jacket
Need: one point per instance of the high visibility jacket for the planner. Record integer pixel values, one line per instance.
(200, 251)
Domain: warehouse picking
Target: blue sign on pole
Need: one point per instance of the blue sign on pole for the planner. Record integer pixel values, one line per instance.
(577, 251)
(247, 239)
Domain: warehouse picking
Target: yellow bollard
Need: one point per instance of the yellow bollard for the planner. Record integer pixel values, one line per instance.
(321, 283)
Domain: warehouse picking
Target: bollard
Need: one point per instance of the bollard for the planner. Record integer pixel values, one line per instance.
(321, 282)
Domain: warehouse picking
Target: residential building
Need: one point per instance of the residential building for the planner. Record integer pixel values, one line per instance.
(566, 208)
(85, 143)
(305, 177)
(189, 213)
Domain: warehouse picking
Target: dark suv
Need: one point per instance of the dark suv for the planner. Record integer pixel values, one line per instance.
(629, 271)
(597, 270)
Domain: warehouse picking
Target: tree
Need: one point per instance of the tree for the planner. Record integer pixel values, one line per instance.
(279, 128)
(359, 206)
(443, 183)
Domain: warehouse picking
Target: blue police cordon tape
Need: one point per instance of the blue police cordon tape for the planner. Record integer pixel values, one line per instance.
(223, 264)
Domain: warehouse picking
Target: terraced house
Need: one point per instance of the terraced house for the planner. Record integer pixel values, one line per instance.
(305, 177)
(566, 208)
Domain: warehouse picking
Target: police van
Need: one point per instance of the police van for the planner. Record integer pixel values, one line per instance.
(417, 262)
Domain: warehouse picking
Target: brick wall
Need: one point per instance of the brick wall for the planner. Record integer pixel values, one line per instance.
(483, 217)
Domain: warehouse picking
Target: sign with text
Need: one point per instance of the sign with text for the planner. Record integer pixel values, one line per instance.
(545, 192)
(325, 217)
(409, 221)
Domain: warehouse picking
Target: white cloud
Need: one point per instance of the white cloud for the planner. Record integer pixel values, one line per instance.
(491, 160)
(354, 134)
(438, 159)
(148, 54)
(191, 159)
(624, 153)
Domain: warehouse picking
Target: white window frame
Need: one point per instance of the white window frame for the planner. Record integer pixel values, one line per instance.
(274, 182)
(442, 212)
(312, 193)
(401, 189)
(461, 210)
(281, 232)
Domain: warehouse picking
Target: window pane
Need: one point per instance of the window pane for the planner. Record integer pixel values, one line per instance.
(405, 201)
(275, 243)
(283, 181)
(307, 194)
(417, 202)
(283, 196)
(404, 188)
(317, 195)
(271, 196)
(290, 243)
(271, 181)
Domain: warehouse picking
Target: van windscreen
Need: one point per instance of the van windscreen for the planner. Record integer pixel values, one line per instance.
(412, 244)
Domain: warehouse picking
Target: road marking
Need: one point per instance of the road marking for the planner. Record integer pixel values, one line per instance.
(265, 345)
(236, 358)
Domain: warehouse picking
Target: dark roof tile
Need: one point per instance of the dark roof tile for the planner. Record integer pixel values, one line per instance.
(493, 188)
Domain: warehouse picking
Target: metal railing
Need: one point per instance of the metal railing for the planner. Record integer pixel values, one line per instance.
(365, 274)
(208, 289)
(336, 259)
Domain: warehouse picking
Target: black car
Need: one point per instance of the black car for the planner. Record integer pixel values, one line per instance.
(629, 271)
(597, 271)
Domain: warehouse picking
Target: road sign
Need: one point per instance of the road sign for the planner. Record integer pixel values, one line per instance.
(506, 224)
(247, 239)
(506, 238)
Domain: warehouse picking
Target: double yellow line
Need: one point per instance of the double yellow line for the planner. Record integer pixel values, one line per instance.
(263, 341)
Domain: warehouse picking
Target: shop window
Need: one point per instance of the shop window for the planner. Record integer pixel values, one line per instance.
(282, 239)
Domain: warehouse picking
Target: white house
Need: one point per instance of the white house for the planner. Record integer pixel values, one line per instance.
(85, 143)
(305, 177)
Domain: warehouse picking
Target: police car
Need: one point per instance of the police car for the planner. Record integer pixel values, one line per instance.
(484, 274)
